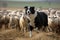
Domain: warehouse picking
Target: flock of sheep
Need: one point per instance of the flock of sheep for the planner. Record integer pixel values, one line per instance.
(53, 19)
(11, 18)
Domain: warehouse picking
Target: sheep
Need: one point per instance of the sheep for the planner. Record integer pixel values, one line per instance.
(14, 19)
(58, 13)
(52, 23)
(58, 18)
(1, 20)
(52, 19)
(46, 11)
(11, 14)
(16, 22)
(4, 19)
(43, 10)
(23, 22)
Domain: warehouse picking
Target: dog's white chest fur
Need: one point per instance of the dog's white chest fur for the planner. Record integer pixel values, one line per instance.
(32, 16)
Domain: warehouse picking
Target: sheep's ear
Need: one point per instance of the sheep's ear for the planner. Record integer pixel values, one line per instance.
(26, 7)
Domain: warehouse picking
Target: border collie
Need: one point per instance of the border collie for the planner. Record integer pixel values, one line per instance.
(38, 19)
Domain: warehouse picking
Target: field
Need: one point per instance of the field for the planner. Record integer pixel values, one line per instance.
(36, 4)
(13, 34)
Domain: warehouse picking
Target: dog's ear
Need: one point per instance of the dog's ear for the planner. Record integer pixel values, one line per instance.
(26, 7)
(33, 7)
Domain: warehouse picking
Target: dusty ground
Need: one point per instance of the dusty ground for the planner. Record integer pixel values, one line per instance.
(12, 34)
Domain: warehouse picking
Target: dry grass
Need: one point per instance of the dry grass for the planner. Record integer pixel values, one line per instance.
(12, 34)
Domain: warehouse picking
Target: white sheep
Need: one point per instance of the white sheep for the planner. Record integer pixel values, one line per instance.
(23, 21)
(52, 23)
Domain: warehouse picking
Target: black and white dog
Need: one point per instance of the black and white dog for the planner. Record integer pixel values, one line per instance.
(38, 19)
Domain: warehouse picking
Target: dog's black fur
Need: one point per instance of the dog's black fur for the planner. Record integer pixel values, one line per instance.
(41, 20)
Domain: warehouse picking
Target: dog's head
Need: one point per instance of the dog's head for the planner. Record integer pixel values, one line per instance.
(29, 10)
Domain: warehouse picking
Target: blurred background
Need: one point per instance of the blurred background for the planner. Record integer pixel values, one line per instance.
(36, 3)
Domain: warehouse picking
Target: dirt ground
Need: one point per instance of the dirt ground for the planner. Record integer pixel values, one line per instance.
(12, 34)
